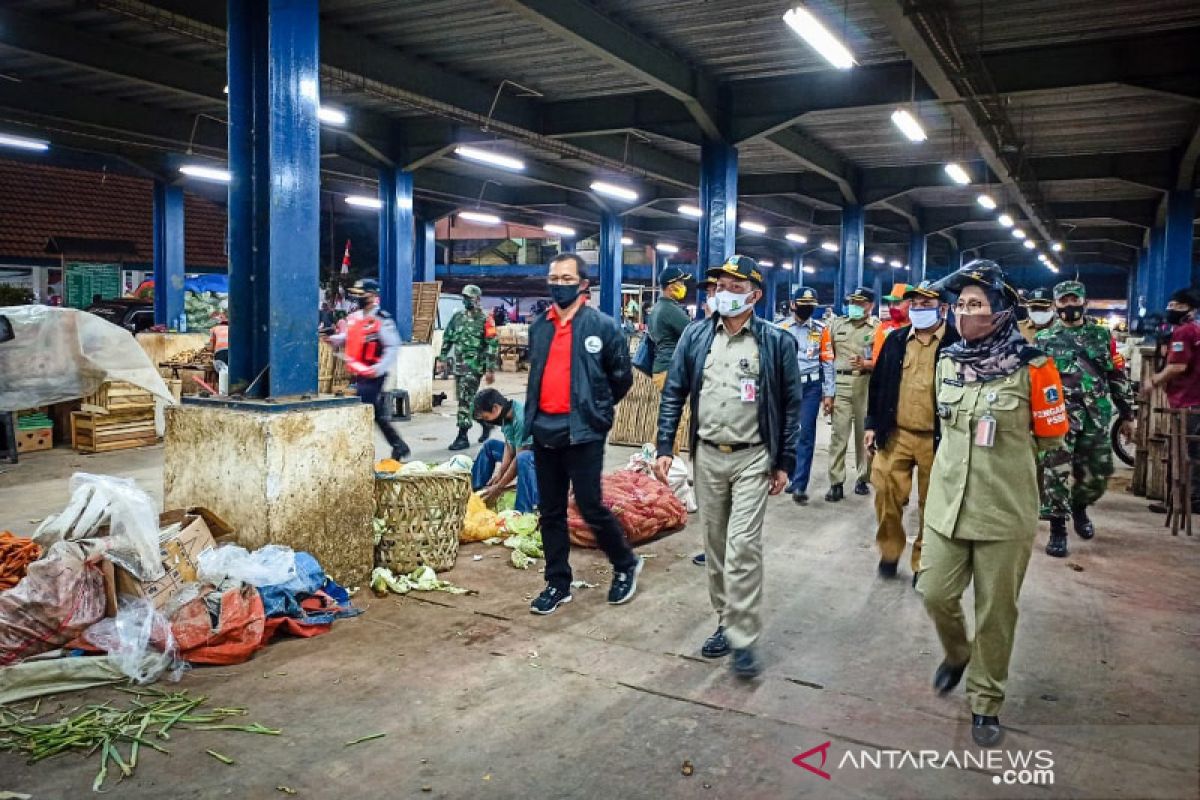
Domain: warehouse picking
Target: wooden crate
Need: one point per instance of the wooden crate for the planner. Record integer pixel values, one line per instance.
(636, 419)
(115, 397)
(31, 440)
(99, 433)
(1150, 436)
(425, 306)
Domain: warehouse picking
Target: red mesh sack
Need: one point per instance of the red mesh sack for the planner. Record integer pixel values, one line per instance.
(642, 505)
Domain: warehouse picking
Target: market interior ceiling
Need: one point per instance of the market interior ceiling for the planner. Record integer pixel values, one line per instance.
(1076, 115)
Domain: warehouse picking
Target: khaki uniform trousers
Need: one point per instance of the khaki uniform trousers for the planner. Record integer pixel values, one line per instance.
(849, 414)
(731, 490)
(998, 569)
(891, 475)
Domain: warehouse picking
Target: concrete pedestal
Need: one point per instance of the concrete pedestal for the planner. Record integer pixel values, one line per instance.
(301, 477)
(414, 374)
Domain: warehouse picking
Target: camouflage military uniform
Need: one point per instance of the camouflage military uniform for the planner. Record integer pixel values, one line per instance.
(472, 334)
(1094, 381)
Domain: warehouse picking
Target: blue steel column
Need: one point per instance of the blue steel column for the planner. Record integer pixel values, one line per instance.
(916, 257)
(718, 202)
(850, 251)
(765, 307)
(1131, 290)
(426, 251)
(612, 258)
(168, 253)
(1177, 245)
(1154, 282)
(274, 214)
(566, 245)
(396, 247)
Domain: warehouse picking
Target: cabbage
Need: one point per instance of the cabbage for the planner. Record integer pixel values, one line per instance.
(421, 579)
(520, 560)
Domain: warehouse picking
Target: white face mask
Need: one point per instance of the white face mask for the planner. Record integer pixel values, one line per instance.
(732, 304)
(924, 318)
(1041, 318)
(710, 302)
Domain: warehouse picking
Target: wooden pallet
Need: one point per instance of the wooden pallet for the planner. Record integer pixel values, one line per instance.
(425, 307)
(116, 397)
(99, 433)
(636, 419)
(31, 440)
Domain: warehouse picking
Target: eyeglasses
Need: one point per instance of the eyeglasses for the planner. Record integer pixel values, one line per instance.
(969, 307)
(563, 280)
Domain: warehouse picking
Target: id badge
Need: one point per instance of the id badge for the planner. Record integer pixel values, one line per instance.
(811, 352)
(985, 431)
(749, 390)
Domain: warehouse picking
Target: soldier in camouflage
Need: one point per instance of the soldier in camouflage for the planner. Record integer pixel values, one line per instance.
(1094, 382)
(472, 334)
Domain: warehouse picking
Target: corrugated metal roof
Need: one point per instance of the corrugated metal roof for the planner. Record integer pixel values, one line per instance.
(1000, 24)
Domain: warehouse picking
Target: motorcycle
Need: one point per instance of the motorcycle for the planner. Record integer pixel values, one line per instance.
(1122, 447)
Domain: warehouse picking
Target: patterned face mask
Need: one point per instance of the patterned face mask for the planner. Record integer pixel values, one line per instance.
(732, 304)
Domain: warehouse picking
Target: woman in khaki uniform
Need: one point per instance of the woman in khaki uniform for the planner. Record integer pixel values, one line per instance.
(999, 400)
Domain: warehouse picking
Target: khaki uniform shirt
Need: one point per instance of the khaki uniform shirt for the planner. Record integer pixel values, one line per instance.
(850, 338)
(985, 493)
(916, 408)
(723, 417)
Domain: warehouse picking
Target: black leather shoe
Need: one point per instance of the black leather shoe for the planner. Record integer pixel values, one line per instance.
(699, 559)
(716, 645)
(887, 569)
(834, 494)
(460, 442)
(1083, 526)
(1057, 547)
(986, 731)
(861, 487)
(947, 677)
(746, 664)
(800, 498)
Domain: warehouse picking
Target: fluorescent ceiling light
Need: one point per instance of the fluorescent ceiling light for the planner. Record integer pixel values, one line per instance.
(363, 201)
(830, 246)
(23, 143)
(206, 173)
(786, 265)
(798, 238)
(612, 190)
(753, 227)
(764, 262)
(986, 201)
(690, 211)
(957, 173)
(1018, 233)
(1006, 220)
(808, 28)
(1056, 247)
(488, 157)
(908, 125)
(561, 230)
(479, 217)
(332, 116)
(895, 263)
(1051, 267)
(809, 269)
(1029, 244)
(625, 240)
(877, 259)
(669, 249)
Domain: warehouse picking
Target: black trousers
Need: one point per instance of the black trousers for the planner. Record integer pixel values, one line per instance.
(370, 390)
(558, 470)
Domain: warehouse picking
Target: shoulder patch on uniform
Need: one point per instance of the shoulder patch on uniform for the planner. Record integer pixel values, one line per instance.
(1176, 347)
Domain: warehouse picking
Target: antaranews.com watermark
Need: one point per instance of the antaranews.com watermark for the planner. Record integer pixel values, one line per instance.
(1008, 767)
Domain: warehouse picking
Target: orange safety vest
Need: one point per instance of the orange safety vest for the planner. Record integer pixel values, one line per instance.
(1046, 400)
(219, 336)
(362, 339)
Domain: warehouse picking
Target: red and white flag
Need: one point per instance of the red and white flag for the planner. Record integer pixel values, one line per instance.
(346, 259)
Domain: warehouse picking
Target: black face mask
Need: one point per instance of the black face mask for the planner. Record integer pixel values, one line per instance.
(803, 313)
(1022, 313)
(563, 295)
(1175, 316)
(1071, 313)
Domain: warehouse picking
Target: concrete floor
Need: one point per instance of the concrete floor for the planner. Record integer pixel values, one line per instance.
(481, 699)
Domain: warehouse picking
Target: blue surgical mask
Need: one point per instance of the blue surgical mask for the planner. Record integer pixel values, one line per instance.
(924, 318)
(855, 312)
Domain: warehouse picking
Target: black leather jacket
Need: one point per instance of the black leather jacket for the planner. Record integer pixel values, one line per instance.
(600, 371)
(778, 391)
(884, 394)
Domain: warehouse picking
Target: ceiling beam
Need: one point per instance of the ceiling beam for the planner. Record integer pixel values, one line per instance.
(817, 158)
(1189, 176)
(1130, 212)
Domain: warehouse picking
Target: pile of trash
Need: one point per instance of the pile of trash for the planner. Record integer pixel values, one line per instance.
(150, 594)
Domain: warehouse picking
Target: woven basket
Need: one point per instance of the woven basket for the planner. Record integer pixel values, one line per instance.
(424, 513)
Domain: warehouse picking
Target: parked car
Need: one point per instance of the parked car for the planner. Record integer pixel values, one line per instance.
(132, 315)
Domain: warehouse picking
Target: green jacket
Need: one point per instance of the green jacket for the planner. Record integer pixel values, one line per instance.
(1093, 375)
(985, 493)
(665, 326)
(473, 334)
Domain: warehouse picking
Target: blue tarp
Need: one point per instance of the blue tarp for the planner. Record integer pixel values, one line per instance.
(283, 600)
(207, 283)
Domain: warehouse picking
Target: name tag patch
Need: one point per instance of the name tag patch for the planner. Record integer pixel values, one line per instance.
(952, 382)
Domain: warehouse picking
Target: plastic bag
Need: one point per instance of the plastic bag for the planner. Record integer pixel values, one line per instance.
(679, 479)
(130, 514)
(267, 566)
(138, 641)
(60, 596)
(59, 354)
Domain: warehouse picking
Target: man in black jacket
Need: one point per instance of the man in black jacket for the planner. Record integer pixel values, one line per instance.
(902, 424)
(578, 371)
(741, 376)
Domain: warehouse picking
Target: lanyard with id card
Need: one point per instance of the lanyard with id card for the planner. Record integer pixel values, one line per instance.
(748, 386)
(985, 428)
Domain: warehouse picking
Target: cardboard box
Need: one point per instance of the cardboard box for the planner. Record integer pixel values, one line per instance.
(180, 554)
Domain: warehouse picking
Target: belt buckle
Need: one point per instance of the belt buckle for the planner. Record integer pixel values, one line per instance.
(725, 448)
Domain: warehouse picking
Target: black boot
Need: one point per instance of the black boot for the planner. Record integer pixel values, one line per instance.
(834, 494)
(1057, 546)
(487, 432)
(860, 487)
(1083, 525)
(400, 451)
(461, 443)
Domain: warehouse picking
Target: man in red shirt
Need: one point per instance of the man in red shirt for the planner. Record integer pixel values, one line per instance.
(1181, 375)
(578, 371)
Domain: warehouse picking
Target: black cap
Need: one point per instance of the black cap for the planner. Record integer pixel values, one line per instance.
(923, 289)
(1039, 298)
(983, 273)
(1189, 297)
(805, 296)
(741, 267)
(363, 287)
(673, 274)
(862, 293)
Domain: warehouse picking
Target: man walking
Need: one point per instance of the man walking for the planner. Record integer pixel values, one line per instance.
(741, 377)
(667, 320)
(578, 371)
(849, 338)
(514, 454)
(1094, 381)
(902, 422)
(472, 333)
(814, 359)
(1039, 304)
